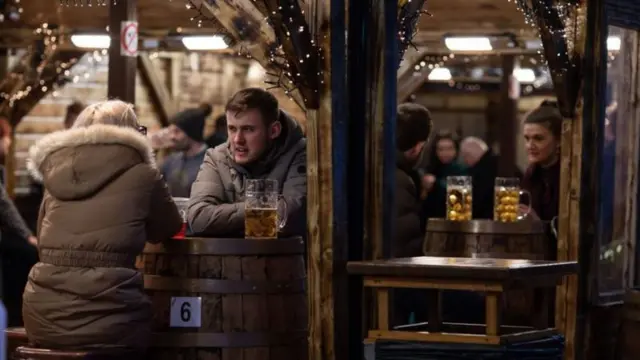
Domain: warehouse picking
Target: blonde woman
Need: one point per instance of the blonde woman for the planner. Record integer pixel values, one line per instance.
(104, 197)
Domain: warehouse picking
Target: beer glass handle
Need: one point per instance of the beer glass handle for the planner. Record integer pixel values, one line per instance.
(528, 204)
(283, 212)
(554, 226)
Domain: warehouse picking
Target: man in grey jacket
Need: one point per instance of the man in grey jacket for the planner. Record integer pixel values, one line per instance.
(263, 143)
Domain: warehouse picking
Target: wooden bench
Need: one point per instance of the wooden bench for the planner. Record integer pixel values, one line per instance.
(34, 353)
(489, 276)
(16, 336)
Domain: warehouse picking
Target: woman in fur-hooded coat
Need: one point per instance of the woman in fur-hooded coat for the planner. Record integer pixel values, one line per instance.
(104, 197)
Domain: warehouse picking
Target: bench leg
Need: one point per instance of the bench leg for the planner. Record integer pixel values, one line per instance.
(434, 297)
(492, 312)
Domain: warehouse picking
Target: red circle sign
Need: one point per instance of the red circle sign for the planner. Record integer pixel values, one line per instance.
(129, 39)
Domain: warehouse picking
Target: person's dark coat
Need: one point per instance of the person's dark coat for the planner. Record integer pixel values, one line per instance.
(104, 198)
(216, 207)
(544, 186)
(409, 225)
(435, 205)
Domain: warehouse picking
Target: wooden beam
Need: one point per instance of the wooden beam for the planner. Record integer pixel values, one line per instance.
(160, 96)
(508, 119)
(122, 69)
(175, 68)
(253, 35)
(321, 188)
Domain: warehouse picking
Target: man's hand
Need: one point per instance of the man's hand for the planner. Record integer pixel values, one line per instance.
(33, 240)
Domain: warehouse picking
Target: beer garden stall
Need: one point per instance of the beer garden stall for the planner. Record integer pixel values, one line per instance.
(347, 86)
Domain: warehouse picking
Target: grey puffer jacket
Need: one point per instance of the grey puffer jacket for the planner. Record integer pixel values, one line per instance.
(216, 207)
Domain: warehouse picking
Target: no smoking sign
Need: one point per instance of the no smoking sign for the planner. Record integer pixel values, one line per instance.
(129, 38)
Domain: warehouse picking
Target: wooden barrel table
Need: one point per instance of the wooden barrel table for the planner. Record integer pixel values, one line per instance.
(630, 329)
(227, 298)
(525, 239)
(16, 336)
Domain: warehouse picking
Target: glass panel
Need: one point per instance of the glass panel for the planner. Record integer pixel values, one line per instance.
(617, 159)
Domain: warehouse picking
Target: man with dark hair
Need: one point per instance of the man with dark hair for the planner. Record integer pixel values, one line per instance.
(186, 137)
(412, 131)
(263, 143)
(219, 135)
(413, 128)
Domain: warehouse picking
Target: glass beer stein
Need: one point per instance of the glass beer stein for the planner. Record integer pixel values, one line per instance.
(459, 198)
(181, 203)
(261, 218)
(507, 200)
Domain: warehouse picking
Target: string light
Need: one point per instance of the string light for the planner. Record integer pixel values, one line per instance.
(39, 71)
(303, 71)
(88, 3)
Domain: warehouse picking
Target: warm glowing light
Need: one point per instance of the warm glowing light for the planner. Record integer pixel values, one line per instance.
(613, 43)
(476, 43)
(524, 75)
(88, 41)
(215, 42)
(440, 74)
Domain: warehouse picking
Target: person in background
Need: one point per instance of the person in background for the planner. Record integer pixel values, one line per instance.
(17, 243)
(264, 143)
(443, 163)
(104, 198)
(73, 110)
(219, 135)
(412, 131)
(483, 168)
(186, 137)
(542, 130)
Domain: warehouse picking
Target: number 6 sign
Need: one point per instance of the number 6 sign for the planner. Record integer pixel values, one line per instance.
(185, 312)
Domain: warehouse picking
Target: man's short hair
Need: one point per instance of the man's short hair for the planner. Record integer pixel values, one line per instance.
(254, 98)
(413, 125)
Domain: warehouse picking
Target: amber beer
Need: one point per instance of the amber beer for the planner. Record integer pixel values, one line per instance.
(261, 223)
(459, 198)
(507, 200)
(261, 217)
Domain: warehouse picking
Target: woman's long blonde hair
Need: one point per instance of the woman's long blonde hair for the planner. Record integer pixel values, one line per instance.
(111, 112)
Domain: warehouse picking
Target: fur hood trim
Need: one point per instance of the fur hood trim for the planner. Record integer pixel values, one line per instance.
(91, 135)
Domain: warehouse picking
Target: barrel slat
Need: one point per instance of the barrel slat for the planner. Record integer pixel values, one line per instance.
(252, 296)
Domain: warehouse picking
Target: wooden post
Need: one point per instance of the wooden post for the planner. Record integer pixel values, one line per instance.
(122, 69)
(373, 64)
(387, 11)
(508, 117)
(346, 330)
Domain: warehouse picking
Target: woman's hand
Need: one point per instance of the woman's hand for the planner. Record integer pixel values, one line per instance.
(33, 240)
(428, 181)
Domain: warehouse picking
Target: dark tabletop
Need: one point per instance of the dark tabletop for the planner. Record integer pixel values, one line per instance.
(227, 246)
(462, 268)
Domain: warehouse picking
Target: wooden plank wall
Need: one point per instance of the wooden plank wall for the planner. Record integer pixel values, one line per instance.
(48, 115)
(210, 78)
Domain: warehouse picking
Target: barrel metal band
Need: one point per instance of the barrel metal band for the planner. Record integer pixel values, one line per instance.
(227, 340)
(525, 227)
(226, 247)
(217, 286)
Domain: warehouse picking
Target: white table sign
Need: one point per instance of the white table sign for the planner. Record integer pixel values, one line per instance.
(186, 312)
